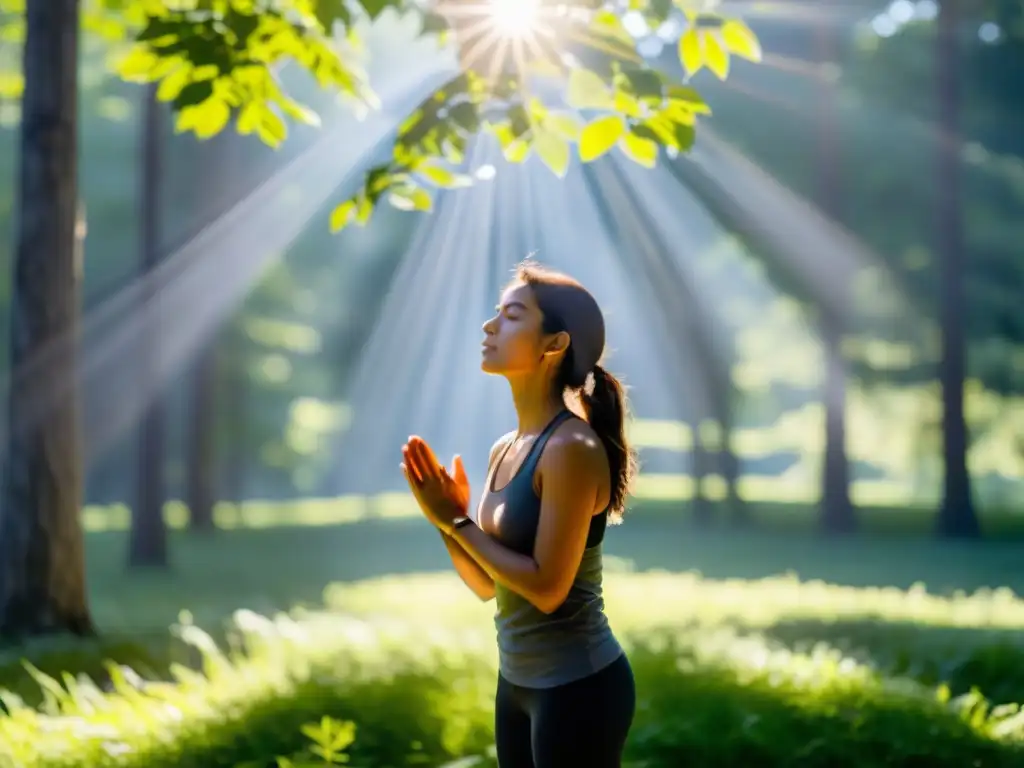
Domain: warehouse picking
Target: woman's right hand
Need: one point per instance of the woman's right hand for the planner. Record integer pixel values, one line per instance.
(440, 493)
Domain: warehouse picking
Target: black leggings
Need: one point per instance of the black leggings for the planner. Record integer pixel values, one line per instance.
(583, 723)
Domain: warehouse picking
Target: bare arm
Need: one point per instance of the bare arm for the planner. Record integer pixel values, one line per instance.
(475, 577)
(572, 472)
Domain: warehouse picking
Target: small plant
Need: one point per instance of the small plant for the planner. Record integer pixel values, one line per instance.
(330, 738)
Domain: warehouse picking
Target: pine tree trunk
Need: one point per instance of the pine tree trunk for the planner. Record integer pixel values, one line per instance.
(42, 553)
(147, 545)
(957, 516)
(202, 455)
(837, 515)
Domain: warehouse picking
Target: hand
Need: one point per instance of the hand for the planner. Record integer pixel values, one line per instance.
(441, 495)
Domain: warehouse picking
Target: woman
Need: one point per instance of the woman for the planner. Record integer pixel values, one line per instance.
(565, 694)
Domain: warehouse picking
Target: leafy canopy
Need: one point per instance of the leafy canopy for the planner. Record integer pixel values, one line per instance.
(217, 60)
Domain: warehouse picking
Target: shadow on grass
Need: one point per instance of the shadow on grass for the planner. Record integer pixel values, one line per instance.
(274, 569)
(691, 712)
(961, 657)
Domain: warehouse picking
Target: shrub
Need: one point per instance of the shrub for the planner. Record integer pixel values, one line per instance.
(412, 680)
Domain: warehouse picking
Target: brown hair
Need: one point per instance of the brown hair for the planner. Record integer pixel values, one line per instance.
(568, 306)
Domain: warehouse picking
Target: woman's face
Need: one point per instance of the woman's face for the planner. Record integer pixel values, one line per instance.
(514, 341)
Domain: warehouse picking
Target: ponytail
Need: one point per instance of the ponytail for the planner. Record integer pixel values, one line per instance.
(605, 407)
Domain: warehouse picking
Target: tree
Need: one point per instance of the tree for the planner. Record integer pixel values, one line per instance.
(216, 59)
(147, 544)
(837, 513)
(42, 557)
(957, 516)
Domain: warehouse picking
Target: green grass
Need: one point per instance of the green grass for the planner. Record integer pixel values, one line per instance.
(839, 662)
(274, 568)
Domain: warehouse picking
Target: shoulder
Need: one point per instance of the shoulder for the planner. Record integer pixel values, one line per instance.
(575, 451)
(500, 445)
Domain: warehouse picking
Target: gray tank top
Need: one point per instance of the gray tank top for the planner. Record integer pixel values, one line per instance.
(535, 649)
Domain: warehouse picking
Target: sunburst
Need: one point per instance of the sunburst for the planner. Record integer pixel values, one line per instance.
(498, 38)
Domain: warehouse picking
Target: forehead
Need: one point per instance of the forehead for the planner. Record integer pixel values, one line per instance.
(518, 293)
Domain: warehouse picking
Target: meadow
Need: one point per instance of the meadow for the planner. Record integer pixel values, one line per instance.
(354, 642)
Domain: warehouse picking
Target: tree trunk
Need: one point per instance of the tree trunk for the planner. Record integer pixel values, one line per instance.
(202, 454)
(220, 173)
(42, 552)
(148, 541)
(957, 517)
(837, 515)
(729, 463)
(703, 511)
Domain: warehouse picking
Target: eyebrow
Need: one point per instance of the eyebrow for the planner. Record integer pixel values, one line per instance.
(513, 305)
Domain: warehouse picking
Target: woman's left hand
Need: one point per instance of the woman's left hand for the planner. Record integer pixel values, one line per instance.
(442, 496)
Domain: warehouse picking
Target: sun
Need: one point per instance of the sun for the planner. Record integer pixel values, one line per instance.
(514, 18)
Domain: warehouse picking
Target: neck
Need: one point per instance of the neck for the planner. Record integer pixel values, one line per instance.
(535, 402)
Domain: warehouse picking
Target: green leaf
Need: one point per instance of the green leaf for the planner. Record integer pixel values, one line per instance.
(658, 129)
(563, 124)
(342, 214)
(374, 8)
(716, 58)
(465, 115)
(442, 177)
(173, 84)
(298, 112)
(600, 136)
(609, 24)
(644, 84)
(249, 118)
(685, 97)
(741, 40)
(627, 104)
(364, 209)
(271, 129)
(138, 64)
(193, 93)
(517, 151)
(690, 54)
(328, 12)
(211, 117)
(409, 198)
(588, 91)
(552, 150)
(640, 150)
(684, 136)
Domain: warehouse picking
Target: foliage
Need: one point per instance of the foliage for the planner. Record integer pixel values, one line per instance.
(412, 682)
(616, 100)
(218, 59)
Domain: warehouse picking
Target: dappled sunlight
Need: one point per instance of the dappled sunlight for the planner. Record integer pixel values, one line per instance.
(769, 216)
(389, 649)
(638, 601)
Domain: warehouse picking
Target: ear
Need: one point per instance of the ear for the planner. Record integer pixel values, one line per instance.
(557, 344)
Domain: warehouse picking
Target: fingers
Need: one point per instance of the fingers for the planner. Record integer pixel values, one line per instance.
(458, 469)
(426, 463)
(409, 467)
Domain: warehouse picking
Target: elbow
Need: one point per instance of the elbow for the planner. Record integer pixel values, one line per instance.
(549, 600)
(486, 594)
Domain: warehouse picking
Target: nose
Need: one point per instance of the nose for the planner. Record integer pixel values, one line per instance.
(488, 327)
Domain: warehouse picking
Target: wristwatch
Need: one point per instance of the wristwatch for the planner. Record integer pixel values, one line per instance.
(461, 522)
